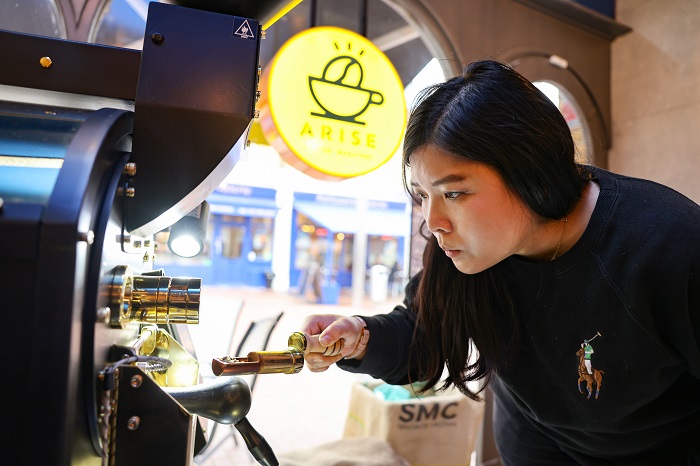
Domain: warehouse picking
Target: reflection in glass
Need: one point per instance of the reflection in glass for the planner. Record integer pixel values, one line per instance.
(122, 24)
(40, 17)
(33, 142)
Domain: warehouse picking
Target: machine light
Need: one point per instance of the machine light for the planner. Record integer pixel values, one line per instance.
(187, 235)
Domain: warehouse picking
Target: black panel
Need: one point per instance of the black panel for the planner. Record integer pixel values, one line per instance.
(77, 67)
(195, 99)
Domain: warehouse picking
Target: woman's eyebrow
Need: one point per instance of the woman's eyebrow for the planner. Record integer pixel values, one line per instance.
(448, 179)
(443, 180)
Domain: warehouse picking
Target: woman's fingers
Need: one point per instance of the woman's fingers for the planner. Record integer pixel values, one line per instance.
(329, 338)
(316, 362)
(313, 345)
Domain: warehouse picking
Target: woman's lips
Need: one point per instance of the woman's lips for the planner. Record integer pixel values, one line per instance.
(451, 253)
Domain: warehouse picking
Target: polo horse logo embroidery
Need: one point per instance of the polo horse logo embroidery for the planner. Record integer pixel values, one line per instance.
(586, 372)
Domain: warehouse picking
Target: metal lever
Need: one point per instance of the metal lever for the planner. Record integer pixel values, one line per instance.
(287, 361)
(226, 401)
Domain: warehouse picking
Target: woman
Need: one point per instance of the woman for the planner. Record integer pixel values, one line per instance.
(531, 255)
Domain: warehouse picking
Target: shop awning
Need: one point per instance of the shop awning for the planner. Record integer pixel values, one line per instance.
(341, 219)
(225, 204)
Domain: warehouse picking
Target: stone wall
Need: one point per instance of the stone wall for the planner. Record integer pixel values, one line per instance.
(655, 93)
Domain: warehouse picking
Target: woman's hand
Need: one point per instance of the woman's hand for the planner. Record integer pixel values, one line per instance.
(331, 328)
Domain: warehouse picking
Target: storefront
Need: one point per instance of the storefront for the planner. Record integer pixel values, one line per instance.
(238, 249)
(324, 229)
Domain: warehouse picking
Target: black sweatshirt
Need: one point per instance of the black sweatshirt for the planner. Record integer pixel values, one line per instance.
(631, 287)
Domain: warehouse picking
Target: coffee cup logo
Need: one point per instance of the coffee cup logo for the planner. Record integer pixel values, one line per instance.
(339, 91)
(332, 104)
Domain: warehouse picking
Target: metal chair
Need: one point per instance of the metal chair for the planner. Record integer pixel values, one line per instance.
(255, 338)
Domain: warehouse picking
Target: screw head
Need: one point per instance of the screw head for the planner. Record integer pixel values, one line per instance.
(86, 236)
(157, 38)
(136, 381)
(133, 423)
(129, 169)
(104, 314)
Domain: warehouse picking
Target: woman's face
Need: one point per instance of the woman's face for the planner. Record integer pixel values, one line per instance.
(477, 221)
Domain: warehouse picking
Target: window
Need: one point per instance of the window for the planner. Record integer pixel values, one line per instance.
(572, 114)
(122, 24)
(232, 237)
(40, 17)
(311, 243)
(262, 239)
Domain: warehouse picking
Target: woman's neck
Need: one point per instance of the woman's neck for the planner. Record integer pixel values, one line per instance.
(579, 217)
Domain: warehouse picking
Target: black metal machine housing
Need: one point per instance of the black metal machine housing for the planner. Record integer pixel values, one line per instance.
(100, 148)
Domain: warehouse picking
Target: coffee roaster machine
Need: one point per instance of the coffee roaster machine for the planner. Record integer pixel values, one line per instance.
(101, 148)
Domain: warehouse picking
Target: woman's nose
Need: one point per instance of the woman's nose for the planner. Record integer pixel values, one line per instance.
(435, 218)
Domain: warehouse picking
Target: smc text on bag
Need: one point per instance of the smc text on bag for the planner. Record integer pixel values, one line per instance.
(435, 429)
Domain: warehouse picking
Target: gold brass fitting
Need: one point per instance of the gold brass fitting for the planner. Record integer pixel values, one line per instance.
(152, 299)
(298, 341)
(129, 169)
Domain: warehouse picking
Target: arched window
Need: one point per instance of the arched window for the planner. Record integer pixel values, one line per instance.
(40, 17)
(573, 116)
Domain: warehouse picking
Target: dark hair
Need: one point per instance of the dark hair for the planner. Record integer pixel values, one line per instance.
(493, 115)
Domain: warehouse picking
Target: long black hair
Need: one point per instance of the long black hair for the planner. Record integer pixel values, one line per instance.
(493, 115)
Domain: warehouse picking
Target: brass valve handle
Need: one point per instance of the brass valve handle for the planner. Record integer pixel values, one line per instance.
(301, 342)
(287, 361)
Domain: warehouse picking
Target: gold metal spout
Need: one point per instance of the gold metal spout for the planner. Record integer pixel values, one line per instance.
(287, 361)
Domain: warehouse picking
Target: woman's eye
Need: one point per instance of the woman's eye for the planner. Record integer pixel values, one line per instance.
(417, 198)
(452, 195)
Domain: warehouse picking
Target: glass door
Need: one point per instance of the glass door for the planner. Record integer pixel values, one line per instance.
(230, 263)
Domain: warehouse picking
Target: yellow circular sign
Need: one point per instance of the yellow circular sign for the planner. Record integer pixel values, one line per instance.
(333, 104)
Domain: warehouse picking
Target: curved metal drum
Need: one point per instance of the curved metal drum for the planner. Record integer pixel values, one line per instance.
(80, 294)
(59, 172)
